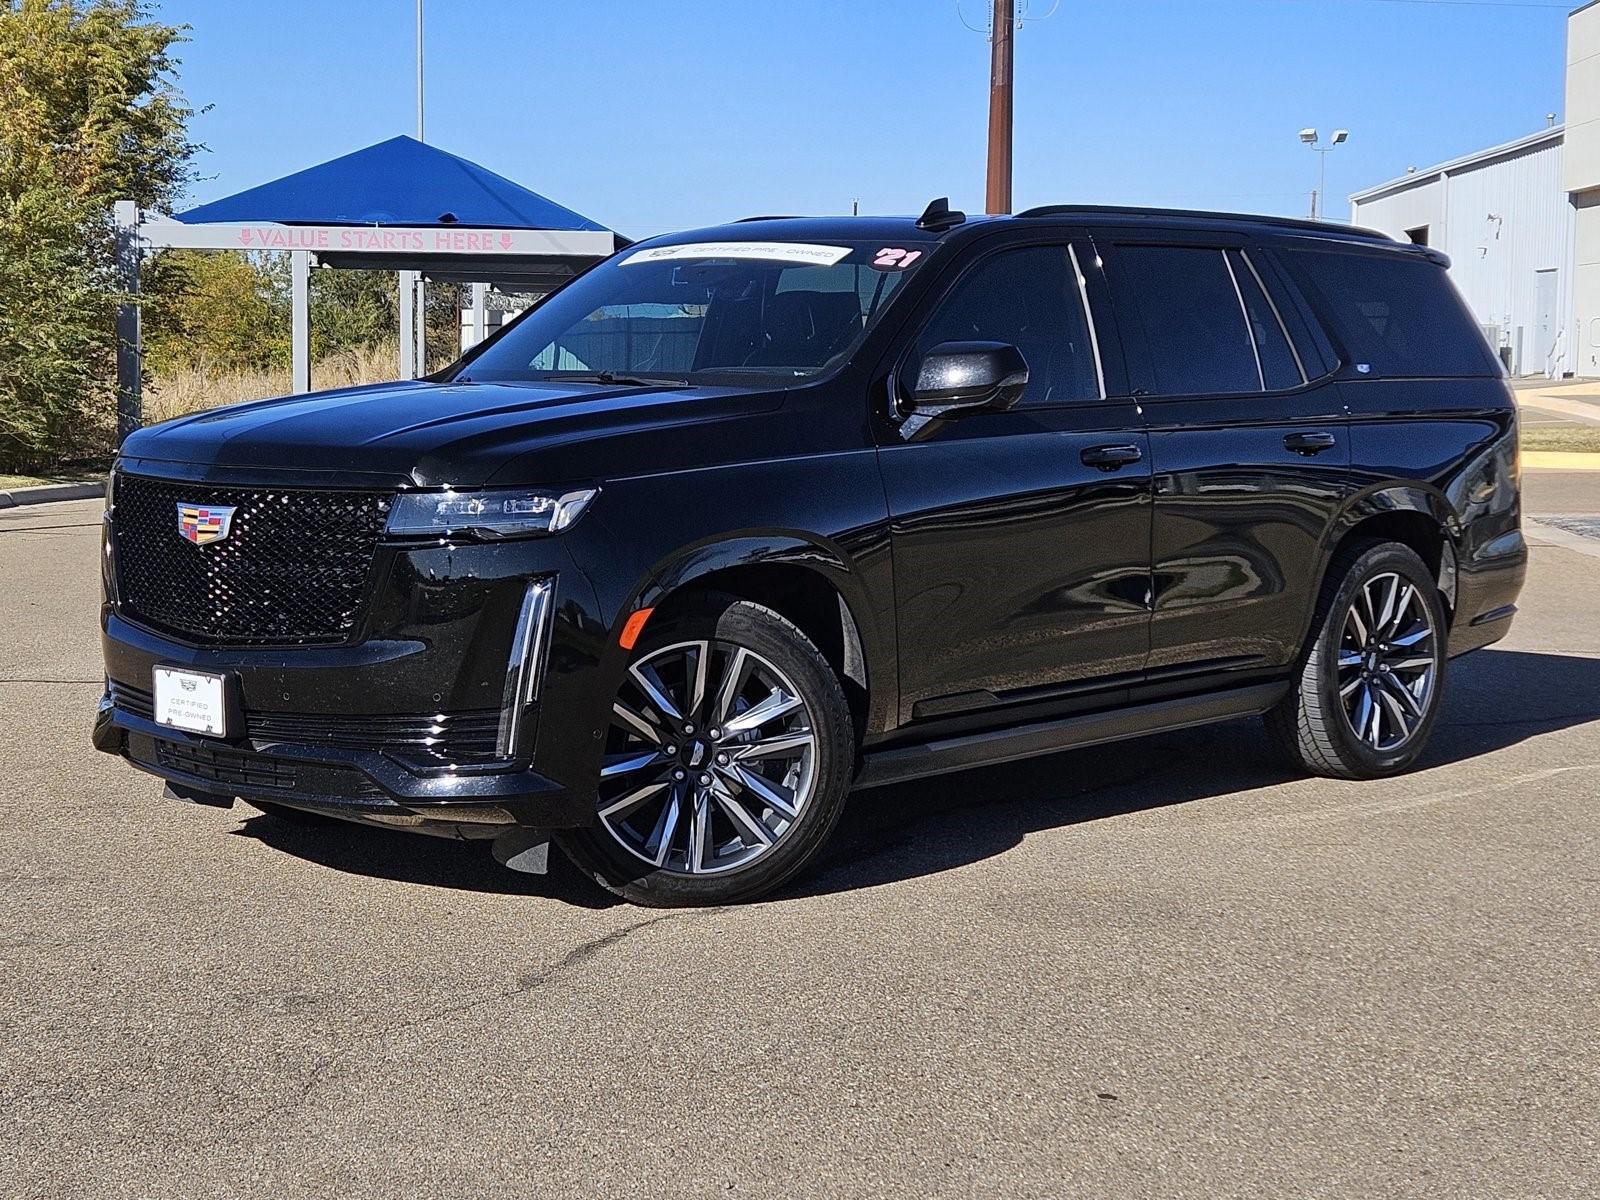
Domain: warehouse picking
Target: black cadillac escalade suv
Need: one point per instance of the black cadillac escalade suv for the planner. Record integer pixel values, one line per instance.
(743, 518)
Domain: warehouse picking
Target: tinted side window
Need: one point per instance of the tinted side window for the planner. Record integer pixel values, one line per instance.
(1401, 316)
(1195, 333)
(1029, 298)
(1279, 368)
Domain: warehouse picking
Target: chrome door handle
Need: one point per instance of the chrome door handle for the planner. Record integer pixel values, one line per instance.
(1111, 458)
(1310, 443)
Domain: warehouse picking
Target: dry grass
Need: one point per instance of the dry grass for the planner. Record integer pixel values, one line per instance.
(195, 388)
(1565, 436)
(10, 483)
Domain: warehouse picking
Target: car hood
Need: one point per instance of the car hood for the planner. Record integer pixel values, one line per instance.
(432, 434)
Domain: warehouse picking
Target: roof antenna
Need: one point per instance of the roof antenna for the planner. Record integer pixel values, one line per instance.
(939, 216)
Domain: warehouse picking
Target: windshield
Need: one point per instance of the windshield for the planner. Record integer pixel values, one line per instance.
(722, 312)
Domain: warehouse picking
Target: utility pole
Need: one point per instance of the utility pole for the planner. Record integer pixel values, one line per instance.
(998, 197)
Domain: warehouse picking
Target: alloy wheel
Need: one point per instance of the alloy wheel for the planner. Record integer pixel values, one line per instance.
(1387, 661)
(710, 760)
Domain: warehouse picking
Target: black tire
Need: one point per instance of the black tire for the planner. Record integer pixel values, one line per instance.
(294, 816)
(730, 622)
(1311, 725)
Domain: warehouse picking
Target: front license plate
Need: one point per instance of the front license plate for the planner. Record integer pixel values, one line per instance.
(194, 701)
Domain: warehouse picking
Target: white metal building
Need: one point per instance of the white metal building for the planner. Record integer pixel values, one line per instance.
(1521, 224)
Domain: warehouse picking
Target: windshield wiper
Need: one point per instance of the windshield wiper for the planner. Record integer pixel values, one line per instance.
(616, 377)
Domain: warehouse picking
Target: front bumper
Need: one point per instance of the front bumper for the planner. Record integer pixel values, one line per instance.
(438, 641)
(359, 785)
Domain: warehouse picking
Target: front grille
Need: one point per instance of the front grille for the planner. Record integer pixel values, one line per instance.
(292, 570)
(454, 737)
(460, 737)
(235, 768)
(244, 772)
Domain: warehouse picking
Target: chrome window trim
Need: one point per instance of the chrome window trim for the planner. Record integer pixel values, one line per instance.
(1088, 316)
(1244, 312)
(1277, 316)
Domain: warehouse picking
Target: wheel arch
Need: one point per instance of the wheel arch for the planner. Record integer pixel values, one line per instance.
(809, 582)
(1412, 514)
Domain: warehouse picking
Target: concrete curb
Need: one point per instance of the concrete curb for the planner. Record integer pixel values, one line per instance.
(53, 492)
(1561, 460)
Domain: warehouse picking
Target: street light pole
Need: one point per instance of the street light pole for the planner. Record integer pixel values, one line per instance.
(1312, 141)
(998, 196)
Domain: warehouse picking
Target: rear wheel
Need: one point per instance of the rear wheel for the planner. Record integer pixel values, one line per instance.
(727, 762)
(1369, 686)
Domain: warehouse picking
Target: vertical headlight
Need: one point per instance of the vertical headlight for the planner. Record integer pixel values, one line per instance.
(508, 512)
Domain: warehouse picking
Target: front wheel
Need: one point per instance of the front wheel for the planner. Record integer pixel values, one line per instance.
(727, 762)
(1370, 682)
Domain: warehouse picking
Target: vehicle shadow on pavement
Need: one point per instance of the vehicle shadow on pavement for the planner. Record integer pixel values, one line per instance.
(1493, 699)
(428, 861)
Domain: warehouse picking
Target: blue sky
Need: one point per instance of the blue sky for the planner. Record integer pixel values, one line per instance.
(650, 115)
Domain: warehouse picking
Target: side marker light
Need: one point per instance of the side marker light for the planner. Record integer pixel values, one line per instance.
(634, 627)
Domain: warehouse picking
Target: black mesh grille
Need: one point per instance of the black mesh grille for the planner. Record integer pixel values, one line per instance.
(460, 737)
(293, 568)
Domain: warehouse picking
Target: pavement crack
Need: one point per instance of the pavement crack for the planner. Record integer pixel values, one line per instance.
(525, 984)
(534, 980)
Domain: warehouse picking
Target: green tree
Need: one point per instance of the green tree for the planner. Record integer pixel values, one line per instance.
(351, 310)
(221, 311)
(91, 103)
(91, 114)
(56, 344)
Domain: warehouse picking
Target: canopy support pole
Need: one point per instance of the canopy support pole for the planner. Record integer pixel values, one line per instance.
(480, 312)
(422, 325)
(300, 319)
(407, 306)
(130, 353)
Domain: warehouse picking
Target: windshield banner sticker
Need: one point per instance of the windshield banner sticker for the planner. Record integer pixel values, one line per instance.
(892, 259)
(794, 252)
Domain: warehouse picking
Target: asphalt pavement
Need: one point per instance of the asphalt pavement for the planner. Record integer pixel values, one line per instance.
(1164, 968)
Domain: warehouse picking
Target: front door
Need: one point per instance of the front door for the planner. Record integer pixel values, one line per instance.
(1021, 538)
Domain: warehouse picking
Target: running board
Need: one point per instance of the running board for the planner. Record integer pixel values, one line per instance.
(941, 755)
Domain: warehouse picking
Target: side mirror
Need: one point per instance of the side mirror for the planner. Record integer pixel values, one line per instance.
(960, 376)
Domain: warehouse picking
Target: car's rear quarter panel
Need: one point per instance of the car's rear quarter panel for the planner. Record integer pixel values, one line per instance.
(1456, 441)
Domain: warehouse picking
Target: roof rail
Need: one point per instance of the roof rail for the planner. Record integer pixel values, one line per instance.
(771, 217)
(1302, 223)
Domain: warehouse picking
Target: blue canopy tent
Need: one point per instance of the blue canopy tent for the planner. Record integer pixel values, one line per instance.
(400, 205)
(398, 182)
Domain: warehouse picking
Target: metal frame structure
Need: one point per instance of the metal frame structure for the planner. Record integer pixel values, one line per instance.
(528, 259)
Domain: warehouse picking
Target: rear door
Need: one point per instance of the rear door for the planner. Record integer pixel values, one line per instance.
(1250, 452)
(1021, 538)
